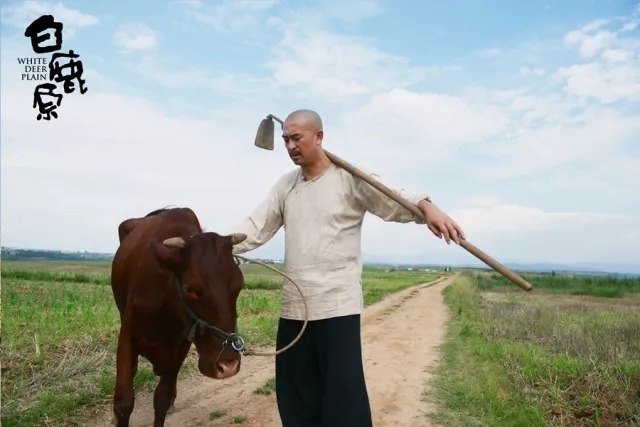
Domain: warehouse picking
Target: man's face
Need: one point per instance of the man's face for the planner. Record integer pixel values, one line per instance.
(302, 140)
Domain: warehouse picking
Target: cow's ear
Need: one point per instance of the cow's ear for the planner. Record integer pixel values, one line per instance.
(167, 253)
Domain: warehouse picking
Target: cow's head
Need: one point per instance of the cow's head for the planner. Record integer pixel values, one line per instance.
(209, 281)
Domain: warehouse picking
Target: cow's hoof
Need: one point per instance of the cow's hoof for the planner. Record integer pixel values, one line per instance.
(172, 409)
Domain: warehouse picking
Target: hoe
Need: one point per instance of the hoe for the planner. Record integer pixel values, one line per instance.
(265, 140)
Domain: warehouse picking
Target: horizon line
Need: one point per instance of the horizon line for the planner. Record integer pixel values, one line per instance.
(576, 266)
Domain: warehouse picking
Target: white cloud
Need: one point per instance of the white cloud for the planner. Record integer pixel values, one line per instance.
(20, 15)
(518, 220)
(509, 233)
(590, 44)
(529, 71)
(197, 3)
(613, 45)
(243, 16)
(136, 38)
(308, 59)
(349, 11)
(633, 22)
(630, 26)
(401, 122)
(616, 55)
(551, 129)
(535, 150)
(614, 78)
(164, 73)
(480, 201)
(602, 82)
(237, 16)
(338, 67)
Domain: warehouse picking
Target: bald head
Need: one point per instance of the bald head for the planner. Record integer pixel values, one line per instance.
(308, 118)
(302, 134)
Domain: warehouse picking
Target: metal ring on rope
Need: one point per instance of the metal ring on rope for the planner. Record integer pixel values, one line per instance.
(306, 310)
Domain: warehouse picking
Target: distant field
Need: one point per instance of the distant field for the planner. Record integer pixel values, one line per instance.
(566, 354)
(60, 331)
(608, 287)
(58, 266)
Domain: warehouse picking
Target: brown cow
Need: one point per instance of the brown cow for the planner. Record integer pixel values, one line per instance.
(173, 284)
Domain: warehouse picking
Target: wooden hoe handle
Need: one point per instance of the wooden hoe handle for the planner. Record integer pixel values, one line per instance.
(416, 211)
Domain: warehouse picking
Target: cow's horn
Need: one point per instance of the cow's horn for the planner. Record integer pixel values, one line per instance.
(237, 238)
(175, 242)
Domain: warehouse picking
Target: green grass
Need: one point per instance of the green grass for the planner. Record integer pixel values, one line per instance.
(218, 413)
(378, 283)
(268, 387)
(536, 361)
(53, 266)
(60, 328)
(605, 286)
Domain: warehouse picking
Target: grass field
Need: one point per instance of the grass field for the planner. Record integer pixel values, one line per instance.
(566, 354)
(605, 286)
(60, 331)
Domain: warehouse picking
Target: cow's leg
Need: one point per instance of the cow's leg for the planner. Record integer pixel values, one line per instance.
(126, 367)
(174, 394)
(182, 355)
(164, 396)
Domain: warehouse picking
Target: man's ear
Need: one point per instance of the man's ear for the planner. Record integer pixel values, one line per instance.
(167, 253)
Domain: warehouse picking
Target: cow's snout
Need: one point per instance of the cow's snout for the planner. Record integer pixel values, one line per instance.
(227, 368)
(219, 364)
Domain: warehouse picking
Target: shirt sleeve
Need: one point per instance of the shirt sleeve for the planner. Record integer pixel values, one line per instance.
(384, 207)
(264, 222)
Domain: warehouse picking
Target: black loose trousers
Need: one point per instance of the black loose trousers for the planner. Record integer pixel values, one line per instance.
(320, 380)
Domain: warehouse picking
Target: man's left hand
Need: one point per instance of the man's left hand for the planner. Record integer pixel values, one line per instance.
(440, 223)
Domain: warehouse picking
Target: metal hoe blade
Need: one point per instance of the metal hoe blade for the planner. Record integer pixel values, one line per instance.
(265, 135)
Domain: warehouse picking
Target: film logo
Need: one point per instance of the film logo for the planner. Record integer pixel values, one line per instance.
(61, 67)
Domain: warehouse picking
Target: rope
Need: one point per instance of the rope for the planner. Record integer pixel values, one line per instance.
(250, 352)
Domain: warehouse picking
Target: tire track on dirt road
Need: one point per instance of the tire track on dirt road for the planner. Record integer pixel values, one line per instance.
(400, 338)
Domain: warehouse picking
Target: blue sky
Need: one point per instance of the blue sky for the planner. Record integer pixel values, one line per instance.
(520, 119)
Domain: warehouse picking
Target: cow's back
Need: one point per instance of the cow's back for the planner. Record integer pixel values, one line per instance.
(134, 271)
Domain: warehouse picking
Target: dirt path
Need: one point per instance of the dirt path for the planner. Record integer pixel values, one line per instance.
(400, 339)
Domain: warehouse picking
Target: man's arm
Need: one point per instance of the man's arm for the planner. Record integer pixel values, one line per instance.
(374, 201)
(384, 207)
(263, 223)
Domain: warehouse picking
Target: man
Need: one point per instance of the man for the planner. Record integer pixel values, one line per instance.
(320, 380)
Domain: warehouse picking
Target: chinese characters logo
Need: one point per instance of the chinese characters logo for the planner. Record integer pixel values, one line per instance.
(63, 68)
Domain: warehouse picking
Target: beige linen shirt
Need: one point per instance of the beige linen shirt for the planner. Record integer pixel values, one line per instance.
(322, 219)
